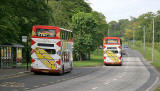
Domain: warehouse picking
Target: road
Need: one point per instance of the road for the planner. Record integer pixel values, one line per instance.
(135, 75)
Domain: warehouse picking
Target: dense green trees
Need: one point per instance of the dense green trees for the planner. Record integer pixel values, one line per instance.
(124, 26)
(101, 29)
(63, 10)
(18, 16)
(84, 32)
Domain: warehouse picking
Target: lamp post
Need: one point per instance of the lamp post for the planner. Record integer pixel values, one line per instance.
(25, 39)
(144, 37)
(153, 41)
(133, 39)
(108, 32)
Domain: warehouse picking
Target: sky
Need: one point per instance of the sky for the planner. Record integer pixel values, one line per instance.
(123, 9)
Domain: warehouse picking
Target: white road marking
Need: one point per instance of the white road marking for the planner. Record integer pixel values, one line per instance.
(157, 79)
(115, 79)
(120, 77)
(106, 83)
(94, 88)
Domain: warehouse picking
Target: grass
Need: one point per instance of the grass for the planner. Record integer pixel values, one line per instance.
(148, 55)
(23, 65)
(96, 60)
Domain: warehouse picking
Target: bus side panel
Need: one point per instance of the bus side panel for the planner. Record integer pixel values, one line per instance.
(67, 59)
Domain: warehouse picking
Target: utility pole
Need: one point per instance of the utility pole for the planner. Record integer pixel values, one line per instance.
(153, 42)
(133, 38)
(108, 32)
(27, 53)
(144, 39)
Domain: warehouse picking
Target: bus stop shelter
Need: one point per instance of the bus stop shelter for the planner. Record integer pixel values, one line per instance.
(10, 55)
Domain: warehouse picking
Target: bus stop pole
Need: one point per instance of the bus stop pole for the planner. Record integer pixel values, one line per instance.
(27, 54)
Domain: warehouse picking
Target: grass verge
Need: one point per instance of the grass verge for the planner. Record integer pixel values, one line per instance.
(96, 60)
(148, 55)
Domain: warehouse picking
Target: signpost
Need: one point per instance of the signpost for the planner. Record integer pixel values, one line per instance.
(25, 39)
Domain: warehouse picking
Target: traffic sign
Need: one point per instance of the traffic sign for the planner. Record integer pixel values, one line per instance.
(24, 38)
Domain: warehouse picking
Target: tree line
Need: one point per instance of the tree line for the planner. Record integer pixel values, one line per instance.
(124, 28)
(18, 16)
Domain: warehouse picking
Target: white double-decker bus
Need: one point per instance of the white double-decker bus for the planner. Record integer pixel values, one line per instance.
(51, 49)
(112, 50)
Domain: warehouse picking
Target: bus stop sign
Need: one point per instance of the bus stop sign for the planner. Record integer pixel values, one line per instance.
(24, 38)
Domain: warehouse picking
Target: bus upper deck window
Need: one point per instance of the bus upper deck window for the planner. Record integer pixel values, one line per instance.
(46, 32)
(50, 51)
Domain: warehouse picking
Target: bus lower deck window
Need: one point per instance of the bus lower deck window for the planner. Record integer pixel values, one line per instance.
(115, 51)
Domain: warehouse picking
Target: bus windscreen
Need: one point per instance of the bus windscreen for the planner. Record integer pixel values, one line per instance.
(111, 41)
(46, 32)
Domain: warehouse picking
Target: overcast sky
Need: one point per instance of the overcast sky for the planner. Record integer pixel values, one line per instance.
(122, 9)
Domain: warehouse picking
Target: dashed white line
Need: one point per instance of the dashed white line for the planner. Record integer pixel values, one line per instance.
(94, 88)
(106, 83)
(120, 77)
(115, 79)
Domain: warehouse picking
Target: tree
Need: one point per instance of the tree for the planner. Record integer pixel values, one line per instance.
(101, 29)
(63, 10)
(18, 16)
(128, 34)
(83, 26)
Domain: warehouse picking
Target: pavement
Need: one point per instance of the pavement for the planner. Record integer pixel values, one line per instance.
(8, 72)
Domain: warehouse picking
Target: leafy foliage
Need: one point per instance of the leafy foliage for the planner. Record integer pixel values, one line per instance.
(121, 27)
(64, 10)
(101, 29)
(18, 17)
(128, 34)
(83, 29)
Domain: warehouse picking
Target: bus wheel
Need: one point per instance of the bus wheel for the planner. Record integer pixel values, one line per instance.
(120, 64)
(62, 71)
(70, 67)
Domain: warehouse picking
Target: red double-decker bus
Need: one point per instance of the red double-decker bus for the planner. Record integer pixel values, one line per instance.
(112, 47)
(51, 49)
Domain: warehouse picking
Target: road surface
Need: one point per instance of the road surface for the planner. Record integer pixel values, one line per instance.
(135, 75)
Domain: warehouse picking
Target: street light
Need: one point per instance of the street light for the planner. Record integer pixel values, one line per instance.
(108, 32)
(153, 41)
(144, 35)
(133, 38)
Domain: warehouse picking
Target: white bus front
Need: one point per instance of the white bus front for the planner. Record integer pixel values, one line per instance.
(112, 55)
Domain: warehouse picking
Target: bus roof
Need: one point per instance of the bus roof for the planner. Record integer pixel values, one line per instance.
(65, 30)
(111, 38)
(47, 26)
